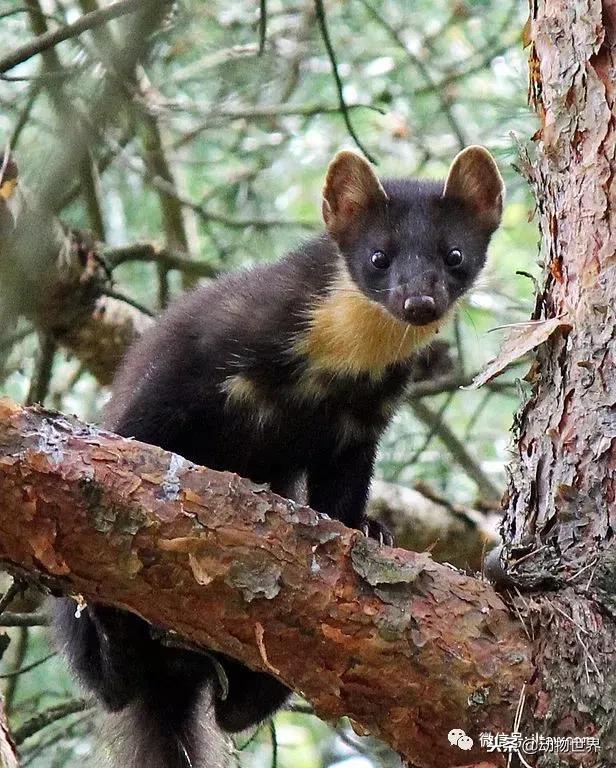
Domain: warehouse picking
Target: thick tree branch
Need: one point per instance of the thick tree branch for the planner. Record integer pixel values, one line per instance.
(405, 647)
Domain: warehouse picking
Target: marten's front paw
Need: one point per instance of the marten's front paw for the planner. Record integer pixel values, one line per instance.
(375, 529)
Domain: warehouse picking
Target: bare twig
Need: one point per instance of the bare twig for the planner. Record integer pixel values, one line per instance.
(18, 659)
(128, 300)
(49, 39)
(12, 592)
(433, 429)
(34, 619)
(300, 708)
(47, 717)
(6, 342)
(24, 116)
(274, 740)
(67, 197)
(41, 377)
(93, 197)
(262, 25)
(25, 9)
(423, 71)
(58, 734)
(495, 45)
(322, 21)
(148, 252)
(471, 69)
(209, 216)
(195, 70)
(449, 382)
(176, 236)
(457, 450)
(219, 117)
(28, 667)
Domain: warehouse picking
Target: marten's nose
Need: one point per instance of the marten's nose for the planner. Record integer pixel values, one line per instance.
(420, 310)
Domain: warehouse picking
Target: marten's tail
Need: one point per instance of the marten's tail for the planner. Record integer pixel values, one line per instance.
(157, 734)
(156, 696)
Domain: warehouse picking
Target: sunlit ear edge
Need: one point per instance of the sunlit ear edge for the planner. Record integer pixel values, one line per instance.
(493, 213)
(364, 176)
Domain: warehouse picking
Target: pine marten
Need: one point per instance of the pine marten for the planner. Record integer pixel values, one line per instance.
(283, 372)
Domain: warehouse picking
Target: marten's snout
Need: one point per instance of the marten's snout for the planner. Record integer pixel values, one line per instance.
(423, 298)
(420, 310)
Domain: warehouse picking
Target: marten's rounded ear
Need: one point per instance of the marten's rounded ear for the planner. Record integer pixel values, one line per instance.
(351, 186)
(474, 177)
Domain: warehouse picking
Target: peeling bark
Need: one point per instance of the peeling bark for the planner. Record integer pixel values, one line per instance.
(407, 648)
(558, 526)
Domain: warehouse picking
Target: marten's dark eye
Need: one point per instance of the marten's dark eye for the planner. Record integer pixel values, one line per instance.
(380, 260)
(454, 258)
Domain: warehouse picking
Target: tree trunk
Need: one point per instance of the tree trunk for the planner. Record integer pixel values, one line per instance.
(407, 648)
(558, 527)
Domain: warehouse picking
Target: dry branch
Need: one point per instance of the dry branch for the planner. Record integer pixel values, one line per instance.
(458, 451)
(407, 648)
(48, 40)
(323, 27)
(48, 716)
(168, 258)
(61, 290)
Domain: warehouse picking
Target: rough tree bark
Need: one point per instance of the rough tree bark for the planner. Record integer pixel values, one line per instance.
(409, 649)
(558, 527)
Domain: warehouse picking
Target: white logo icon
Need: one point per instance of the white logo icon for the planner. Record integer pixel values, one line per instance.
(458, 737)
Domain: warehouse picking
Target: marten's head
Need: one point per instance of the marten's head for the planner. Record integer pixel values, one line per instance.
(413, 246)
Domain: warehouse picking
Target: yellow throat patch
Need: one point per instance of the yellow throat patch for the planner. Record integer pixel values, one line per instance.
(350, 334)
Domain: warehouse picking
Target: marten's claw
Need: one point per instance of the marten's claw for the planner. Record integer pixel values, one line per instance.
(375, 529)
